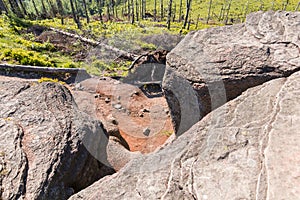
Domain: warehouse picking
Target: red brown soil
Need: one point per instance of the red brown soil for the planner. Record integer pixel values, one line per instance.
(138, 113)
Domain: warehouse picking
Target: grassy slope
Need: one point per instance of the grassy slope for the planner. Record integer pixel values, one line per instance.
(238, 9)
(20, 46)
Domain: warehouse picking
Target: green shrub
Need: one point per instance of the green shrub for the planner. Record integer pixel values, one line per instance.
(45, 79)
(24, 57)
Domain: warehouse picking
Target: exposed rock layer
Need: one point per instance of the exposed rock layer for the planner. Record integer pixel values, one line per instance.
(211, 66)
(42, 155)
(245, 149)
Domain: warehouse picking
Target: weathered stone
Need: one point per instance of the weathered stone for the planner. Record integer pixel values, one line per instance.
(43, 143)
(209, 67)
(117, 155)
(245, 149)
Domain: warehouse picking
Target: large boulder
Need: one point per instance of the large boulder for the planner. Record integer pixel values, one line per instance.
(209, 67)
(46, 143)
(245, 149)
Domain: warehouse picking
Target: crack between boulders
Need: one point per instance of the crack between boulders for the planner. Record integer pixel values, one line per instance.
(22, 89)
(193, 191)
(265, 145)
(24, 166)
(169, 180)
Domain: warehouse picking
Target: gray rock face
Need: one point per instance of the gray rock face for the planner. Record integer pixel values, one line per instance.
(245, 149)
(210, 67)
(42, 136)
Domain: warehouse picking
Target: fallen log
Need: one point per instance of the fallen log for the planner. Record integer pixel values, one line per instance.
(68, 75)
(121, 53)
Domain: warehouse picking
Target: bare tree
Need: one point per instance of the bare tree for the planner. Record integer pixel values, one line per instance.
(44, 10)
(22, 7)
(75, 16)
(86, 11)
(298, 5)
(154, 11)
(15, 8)
(180, 11)
(161, 10)
(137, 10)
(209, 10)
(228, 10)
(188, 8)
(100, 9)
(3, 6)
(35, 8)
(61, 10)
(169, 14)
(132, 12)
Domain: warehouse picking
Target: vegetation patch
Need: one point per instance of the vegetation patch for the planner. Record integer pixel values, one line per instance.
(45, 79)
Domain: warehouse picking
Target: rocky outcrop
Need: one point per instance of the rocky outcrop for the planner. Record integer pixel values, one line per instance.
(68, 75)
(46, 143)
(245, 149)
(210, 67)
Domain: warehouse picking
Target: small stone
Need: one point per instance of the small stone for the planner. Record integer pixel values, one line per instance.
(1, 167)
(97, 96)
(145, 110)
(167, 111)
(118, 106)
(113, 121)
(146, 131)
(135, 93)
(107, 100)
(119, 98)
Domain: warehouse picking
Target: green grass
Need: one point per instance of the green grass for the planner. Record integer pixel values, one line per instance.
(238, 10)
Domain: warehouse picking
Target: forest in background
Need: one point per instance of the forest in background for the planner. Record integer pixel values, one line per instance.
(77, 33)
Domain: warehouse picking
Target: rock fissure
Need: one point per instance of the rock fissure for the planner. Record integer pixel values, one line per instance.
(264, 145)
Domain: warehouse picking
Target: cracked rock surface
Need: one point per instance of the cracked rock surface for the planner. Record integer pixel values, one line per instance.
(42, 155)
(209, 67)
(245, 149)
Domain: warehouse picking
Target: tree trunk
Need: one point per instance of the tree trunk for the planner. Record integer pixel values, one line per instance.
(74, 12)
(44, 11)
(137, 10)
(132, 12)
(197, 22)
(297, 6)
(174, 13)
(144, 7)
(188, 8)
(60, 10)
(228, 10)
(209, 10)
(3, 6)
(169, 14)
(86, 11)
(180, 11)
(154, 11)
(35, 9)
(161, 10)
(129, 9)
(15, 8)
(23, 7)
(108, 11)
(100, 7)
